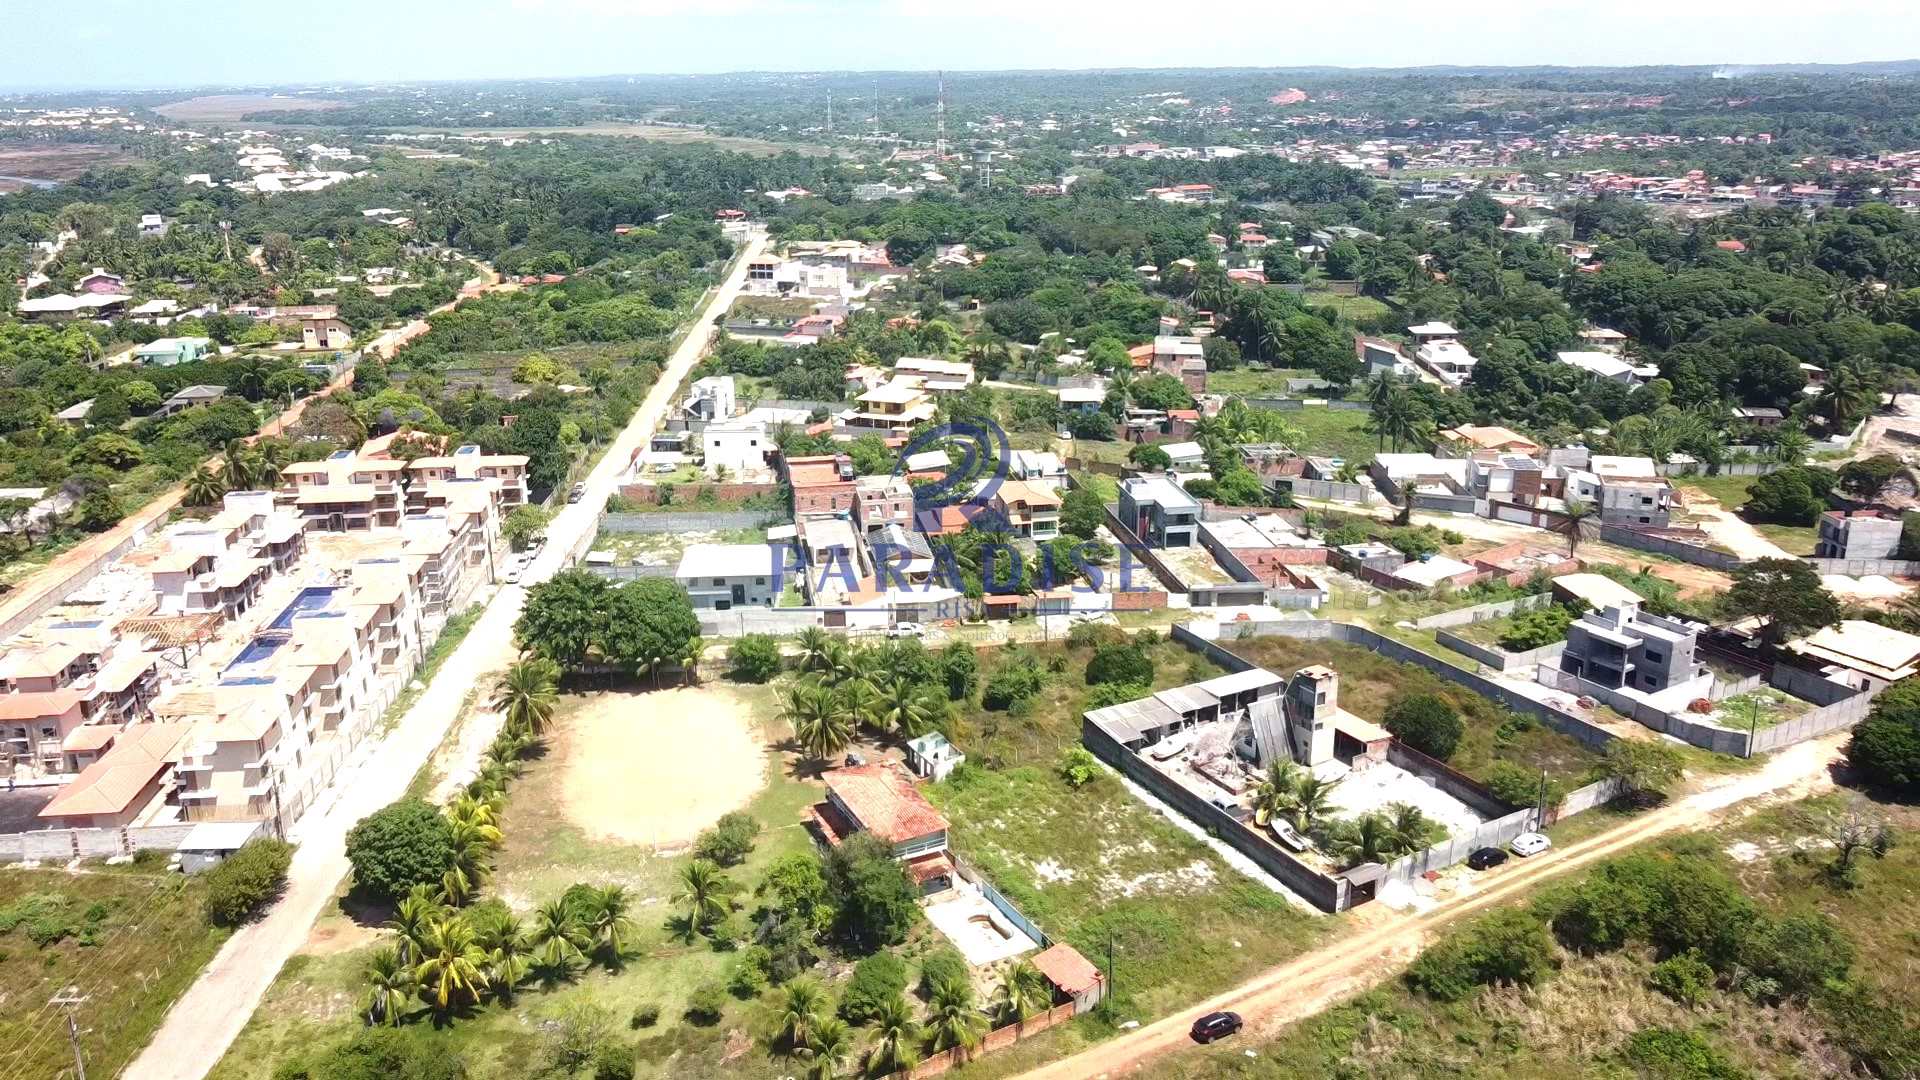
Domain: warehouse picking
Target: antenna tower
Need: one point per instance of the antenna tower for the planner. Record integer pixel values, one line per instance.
(940, 121)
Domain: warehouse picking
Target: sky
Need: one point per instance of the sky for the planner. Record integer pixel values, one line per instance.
(159, 43)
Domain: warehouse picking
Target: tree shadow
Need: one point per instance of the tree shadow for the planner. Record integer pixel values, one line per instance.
(371, 912)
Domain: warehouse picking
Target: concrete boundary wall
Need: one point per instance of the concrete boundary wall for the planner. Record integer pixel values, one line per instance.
(1674, 549)
(1864, 567)
(1498, 609)
(1494, 656)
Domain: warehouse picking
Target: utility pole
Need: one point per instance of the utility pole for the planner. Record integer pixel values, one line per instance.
(70, 999)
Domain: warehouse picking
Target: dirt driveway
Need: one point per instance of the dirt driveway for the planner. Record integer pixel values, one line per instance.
(656, 768)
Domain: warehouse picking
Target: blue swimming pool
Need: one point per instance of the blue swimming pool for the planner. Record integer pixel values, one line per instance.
(261, 648)
(311, 599)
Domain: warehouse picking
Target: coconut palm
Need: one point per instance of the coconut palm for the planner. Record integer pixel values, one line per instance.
(706, 891)
(559, 941)
(800, 1012)
(952, 1017)
(828, 1049)
(415, 912)
(1022, 993)
(450, 967)
(1851, 391)
(476, 810)
(1274, 797)
(1576, 513)
(604, 916)
(204, 487)
(390, 984)
(814, 644)
(895, 1044)
(508, 951)
(1411, 829)
(839, 663)
(527, 693)
(1312, 801)
(1367, 839)
(906, 708)
(821, 726)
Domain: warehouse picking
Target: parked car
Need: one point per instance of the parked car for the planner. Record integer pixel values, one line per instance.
(1530, 843)
(1486, 858)
(854, 759)
(1216, 1025)
(906, 630)
(578, 492)
(513, 573)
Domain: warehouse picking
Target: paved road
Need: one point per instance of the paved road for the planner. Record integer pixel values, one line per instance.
(1311, 983)
(210, 1015)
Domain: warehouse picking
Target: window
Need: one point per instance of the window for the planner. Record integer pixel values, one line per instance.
(1655, 658)
(759, 581)
(719, 581)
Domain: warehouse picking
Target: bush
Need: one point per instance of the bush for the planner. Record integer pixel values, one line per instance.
(1680, 1055)
(644, 1016)
(1791, 496)
(1425, 722)
(1089, 635)
(944, 964)
(399, 846)
(1507, 947)
(754, 658)
(877, 979)
(246, 880)
(749, 979)
(613, 1061)
(1685, 978)
(1117, 693)
(1011, 687)
(960, 668)
(1127, 663)
(730, 840)
(1515, 785)
(1078, 767)
(1885, 748)
(876, 901)
(1800, 954)
(706, 1005)
(1532, 629)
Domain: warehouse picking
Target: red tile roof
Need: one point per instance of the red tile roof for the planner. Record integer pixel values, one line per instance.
(1066, 969)
(884, 800)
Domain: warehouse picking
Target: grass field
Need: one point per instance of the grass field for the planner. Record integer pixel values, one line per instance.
(1255, 381)
(1731, 492)
(1353, 307)
(131, 940)
(1369, 682)
(1581, 1020)
(231, 107)
(1340, 433)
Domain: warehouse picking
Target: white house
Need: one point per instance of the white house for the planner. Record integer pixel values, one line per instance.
(719, 577)
(740, 447)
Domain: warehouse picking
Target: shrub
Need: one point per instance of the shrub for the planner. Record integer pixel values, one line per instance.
(1533, 629)
(1078, 767)
(399, 846)
(960, 668)
(645, 1015)
(749, 979)
(706, 1005)
(246, 880)
(1647, 768)
(1425, 722)
(1681, 1055)
(877, 979)
(1508, 947)
(730, 840)
(1799, 954)
(1011, 687)
(944, 964)
(1885, 748)
(1107, 694)
(1685, 978)
(613, 1061)
(1127, 663)
(754, 658)
(1089, 635)
(1515, 785)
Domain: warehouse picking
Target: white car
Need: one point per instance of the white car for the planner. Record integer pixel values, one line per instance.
(1530, 843)
(905, 630)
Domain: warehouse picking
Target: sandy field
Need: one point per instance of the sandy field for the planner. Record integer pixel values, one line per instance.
(234, 106)
(54, 161)
(656, 768)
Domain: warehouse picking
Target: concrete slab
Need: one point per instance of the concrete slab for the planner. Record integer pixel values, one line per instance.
(976, 927)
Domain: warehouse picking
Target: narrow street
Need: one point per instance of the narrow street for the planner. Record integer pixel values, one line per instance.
(1377, 951)
(210, 1015)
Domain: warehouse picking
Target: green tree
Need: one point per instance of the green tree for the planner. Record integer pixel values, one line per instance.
(754, 658)
(896, 1038)
(821, 726)
(1786, 593)
(1149, 456)
(828, 1049)
(953, 1018)
(558, 940)
(1885, 747)
(204, 487)
(802, 1006)
(1120, 662)
(1082, 513)
(706, 891)
(564, 618)
(1648, 769)
(402, 845)
(526, 694)
(390, 985)
(240, 884)
(1425, 722)
(451, 967)
(524, 525)
(878, 902)
(1022, 994)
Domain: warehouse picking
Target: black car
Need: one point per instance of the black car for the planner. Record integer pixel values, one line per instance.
(1216, 1025)
(1486, 858)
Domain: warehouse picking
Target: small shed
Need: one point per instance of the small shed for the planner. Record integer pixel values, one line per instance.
(211, 841)
(932, 757)
(1073, 976)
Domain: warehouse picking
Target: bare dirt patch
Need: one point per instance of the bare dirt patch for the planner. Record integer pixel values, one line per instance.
(54, 161)
(656, 768)
(234, 106)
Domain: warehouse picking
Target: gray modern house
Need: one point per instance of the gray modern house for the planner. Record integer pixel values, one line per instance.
(1626, 648)
(1159, 511)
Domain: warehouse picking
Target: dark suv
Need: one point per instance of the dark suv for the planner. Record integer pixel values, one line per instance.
(1216, 1025)
(1486, 858)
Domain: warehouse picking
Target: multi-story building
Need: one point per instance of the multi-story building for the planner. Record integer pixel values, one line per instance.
(822, 484)
(508, 471)
(720, 577)
(740, 447)
(1183, 358)
(1159, 511)
(1624, 647)
(1032, 512)
(880, 501)
(936, 376)
(893, 406)
(1858, 534)
(881, 799)
(347, 492)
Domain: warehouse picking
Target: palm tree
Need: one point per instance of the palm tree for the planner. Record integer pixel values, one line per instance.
(605, 918)
(906, 707)
(1852, 390)
(240, 466)
(827, 1050)
(450, 964)
(800, 1012)
(896, 1038)
(839, 663)
(1312, 801)
(204, 487)
(1275, 795)
(473, 847)
(1022, 992)
(706, 891)
(389, 984)
(527, 693)
(819, 724)
(814, 645)
(416, 911)
(476, 811)
(1411, 829)
(1369, 839)
(1576, 513)
(508, 951)
(558, 940)
(952, 1017)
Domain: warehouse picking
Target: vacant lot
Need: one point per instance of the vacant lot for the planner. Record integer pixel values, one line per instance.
(129, 938)
(230, 107)
(650, 132)
(1369, 682)
(54, 161)
(654, 769)
(1340, 433)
